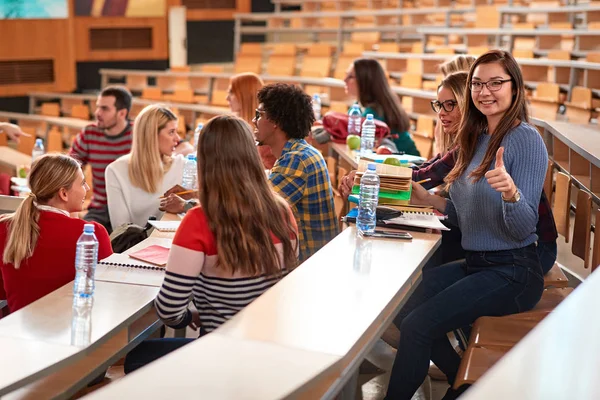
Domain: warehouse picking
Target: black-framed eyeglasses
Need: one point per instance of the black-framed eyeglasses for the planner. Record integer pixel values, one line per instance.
(258, 113)
(493, 85)
(447, 105)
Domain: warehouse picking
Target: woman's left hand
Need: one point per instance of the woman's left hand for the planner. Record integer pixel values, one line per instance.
(499, 179)
(172, 204)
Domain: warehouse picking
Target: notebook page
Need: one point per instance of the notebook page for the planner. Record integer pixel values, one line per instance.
(121, 268)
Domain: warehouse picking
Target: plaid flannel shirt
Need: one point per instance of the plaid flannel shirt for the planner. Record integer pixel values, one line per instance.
(438, 167)
(301, 177)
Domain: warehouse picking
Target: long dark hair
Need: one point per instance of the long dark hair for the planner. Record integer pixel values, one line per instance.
(473, 123)
(374, 91)
(241, 208)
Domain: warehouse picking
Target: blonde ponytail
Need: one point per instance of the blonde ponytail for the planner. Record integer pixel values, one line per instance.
(48, 175)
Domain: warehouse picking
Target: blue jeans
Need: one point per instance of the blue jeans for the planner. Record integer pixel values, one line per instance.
(547, 253)
(492, 283)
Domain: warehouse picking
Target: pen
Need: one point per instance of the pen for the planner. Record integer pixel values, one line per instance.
(424, 180)
(180, 193)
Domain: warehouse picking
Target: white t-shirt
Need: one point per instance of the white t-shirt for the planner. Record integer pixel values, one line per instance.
(129, 204)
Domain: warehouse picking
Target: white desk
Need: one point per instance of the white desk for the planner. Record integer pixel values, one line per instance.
(559, 359)
(211, 368)
(23, 361)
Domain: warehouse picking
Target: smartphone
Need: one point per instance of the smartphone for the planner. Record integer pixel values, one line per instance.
(390, 235)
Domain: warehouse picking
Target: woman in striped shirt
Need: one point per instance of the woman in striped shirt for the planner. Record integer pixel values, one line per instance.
(238, 243)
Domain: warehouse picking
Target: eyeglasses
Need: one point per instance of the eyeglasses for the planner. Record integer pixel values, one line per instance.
(258, 114)
(493, 86)
(447, 105)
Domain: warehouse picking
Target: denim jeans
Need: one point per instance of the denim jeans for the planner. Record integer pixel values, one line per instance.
(491, 283)
(547, 253)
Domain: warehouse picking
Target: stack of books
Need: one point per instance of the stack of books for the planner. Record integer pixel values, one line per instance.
(395, 183)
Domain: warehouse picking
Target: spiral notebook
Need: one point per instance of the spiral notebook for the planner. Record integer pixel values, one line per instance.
(165, 226)
(121, 268)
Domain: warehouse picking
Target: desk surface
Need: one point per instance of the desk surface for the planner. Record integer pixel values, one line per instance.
(218, 367)
(74, 123)
(344, 289)
(49, 319)
(559, 359)
(24, 360)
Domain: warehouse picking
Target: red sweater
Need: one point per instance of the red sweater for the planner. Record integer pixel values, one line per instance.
(52, 264)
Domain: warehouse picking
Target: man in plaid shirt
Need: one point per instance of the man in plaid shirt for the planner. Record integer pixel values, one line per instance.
(283, 119)
(438, 167)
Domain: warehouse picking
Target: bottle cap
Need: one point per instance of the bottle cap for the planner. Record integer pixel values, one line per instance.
(191, 157)
(38, 142)
(200, 126)
(369, 116)
(88, 228)
(316, 96)
(372, 167)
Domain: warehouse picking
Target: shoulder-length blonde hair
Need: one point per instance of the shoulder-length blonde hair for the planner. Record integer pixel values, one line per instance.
(241, 208)
(245, 87)
(49, 174)
(147, 166)
(457, 84)
(457, 63)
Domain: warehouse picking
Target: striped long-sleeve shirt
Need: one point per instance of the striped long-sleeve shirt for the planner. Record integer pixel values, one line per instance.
(191, 271)
(92, 146)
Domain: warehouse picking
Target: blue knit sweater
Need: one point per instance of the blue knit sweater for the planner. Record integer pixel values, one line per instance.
(486, 221)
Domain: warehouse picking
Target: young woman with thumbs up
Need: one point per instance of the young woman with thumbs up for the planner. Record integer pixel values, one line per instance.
(495, 188)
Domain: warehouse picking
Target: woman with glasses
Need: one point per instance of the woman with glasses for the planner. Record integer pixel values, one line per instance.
(495, 187)
(366, 81)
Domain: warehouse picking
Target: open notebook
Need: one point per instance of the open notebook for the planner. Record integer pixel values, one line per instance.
(121, 268)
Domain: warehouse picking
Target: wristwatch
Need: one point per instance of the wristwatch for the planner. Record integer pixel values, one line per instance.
(515, 198)
(189, 204)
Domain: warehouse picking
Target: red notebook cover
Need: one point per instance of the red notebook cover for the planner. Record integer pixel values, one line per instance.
(155, 254)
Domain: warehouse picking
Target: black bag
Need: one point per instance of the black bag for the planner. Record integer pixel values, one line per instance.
(128, 235)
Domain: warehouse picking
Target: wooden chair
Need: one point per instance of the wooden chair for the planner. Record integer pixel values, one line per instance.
(212, 68)
(248, 63)
(282, 61)
(50, 109)
(136, 83)
(81, 111)
(425, 126)
(67, 104)
(582, 227)
(54, 141)
(3, 139)
(318, 67)
(545, 100)
(181, 96)
(152, 93)
(411, 80)
(562, 204)
(520, 53)
(424, 144)
(219, 98)
(579, 109)
(166, 83)
(26, 143)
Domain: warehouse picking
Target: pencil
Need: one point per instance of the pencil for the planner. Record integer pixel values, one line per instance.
(424, 180)
(181, 193)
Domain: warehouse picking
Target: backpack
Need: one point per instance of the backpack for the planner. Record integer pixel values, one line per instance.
(336, 124)
(128, 235)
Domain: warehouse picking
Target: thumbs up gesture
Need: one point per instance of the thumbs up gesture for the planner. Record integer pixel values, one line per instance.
(499, 179)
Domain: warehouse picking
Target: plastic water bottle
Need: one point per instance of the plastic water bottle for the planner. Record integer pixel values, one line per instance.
(197, 136)
(86, 259)
(354, 119)
(316, 105)
(38, 149)
(369, 196)
(190, 172)
(367, 138)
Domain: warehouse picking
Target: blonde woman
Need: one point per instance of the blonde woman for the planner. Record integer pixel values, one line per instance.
(38, 241)
(243, 102)
(135, 182)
